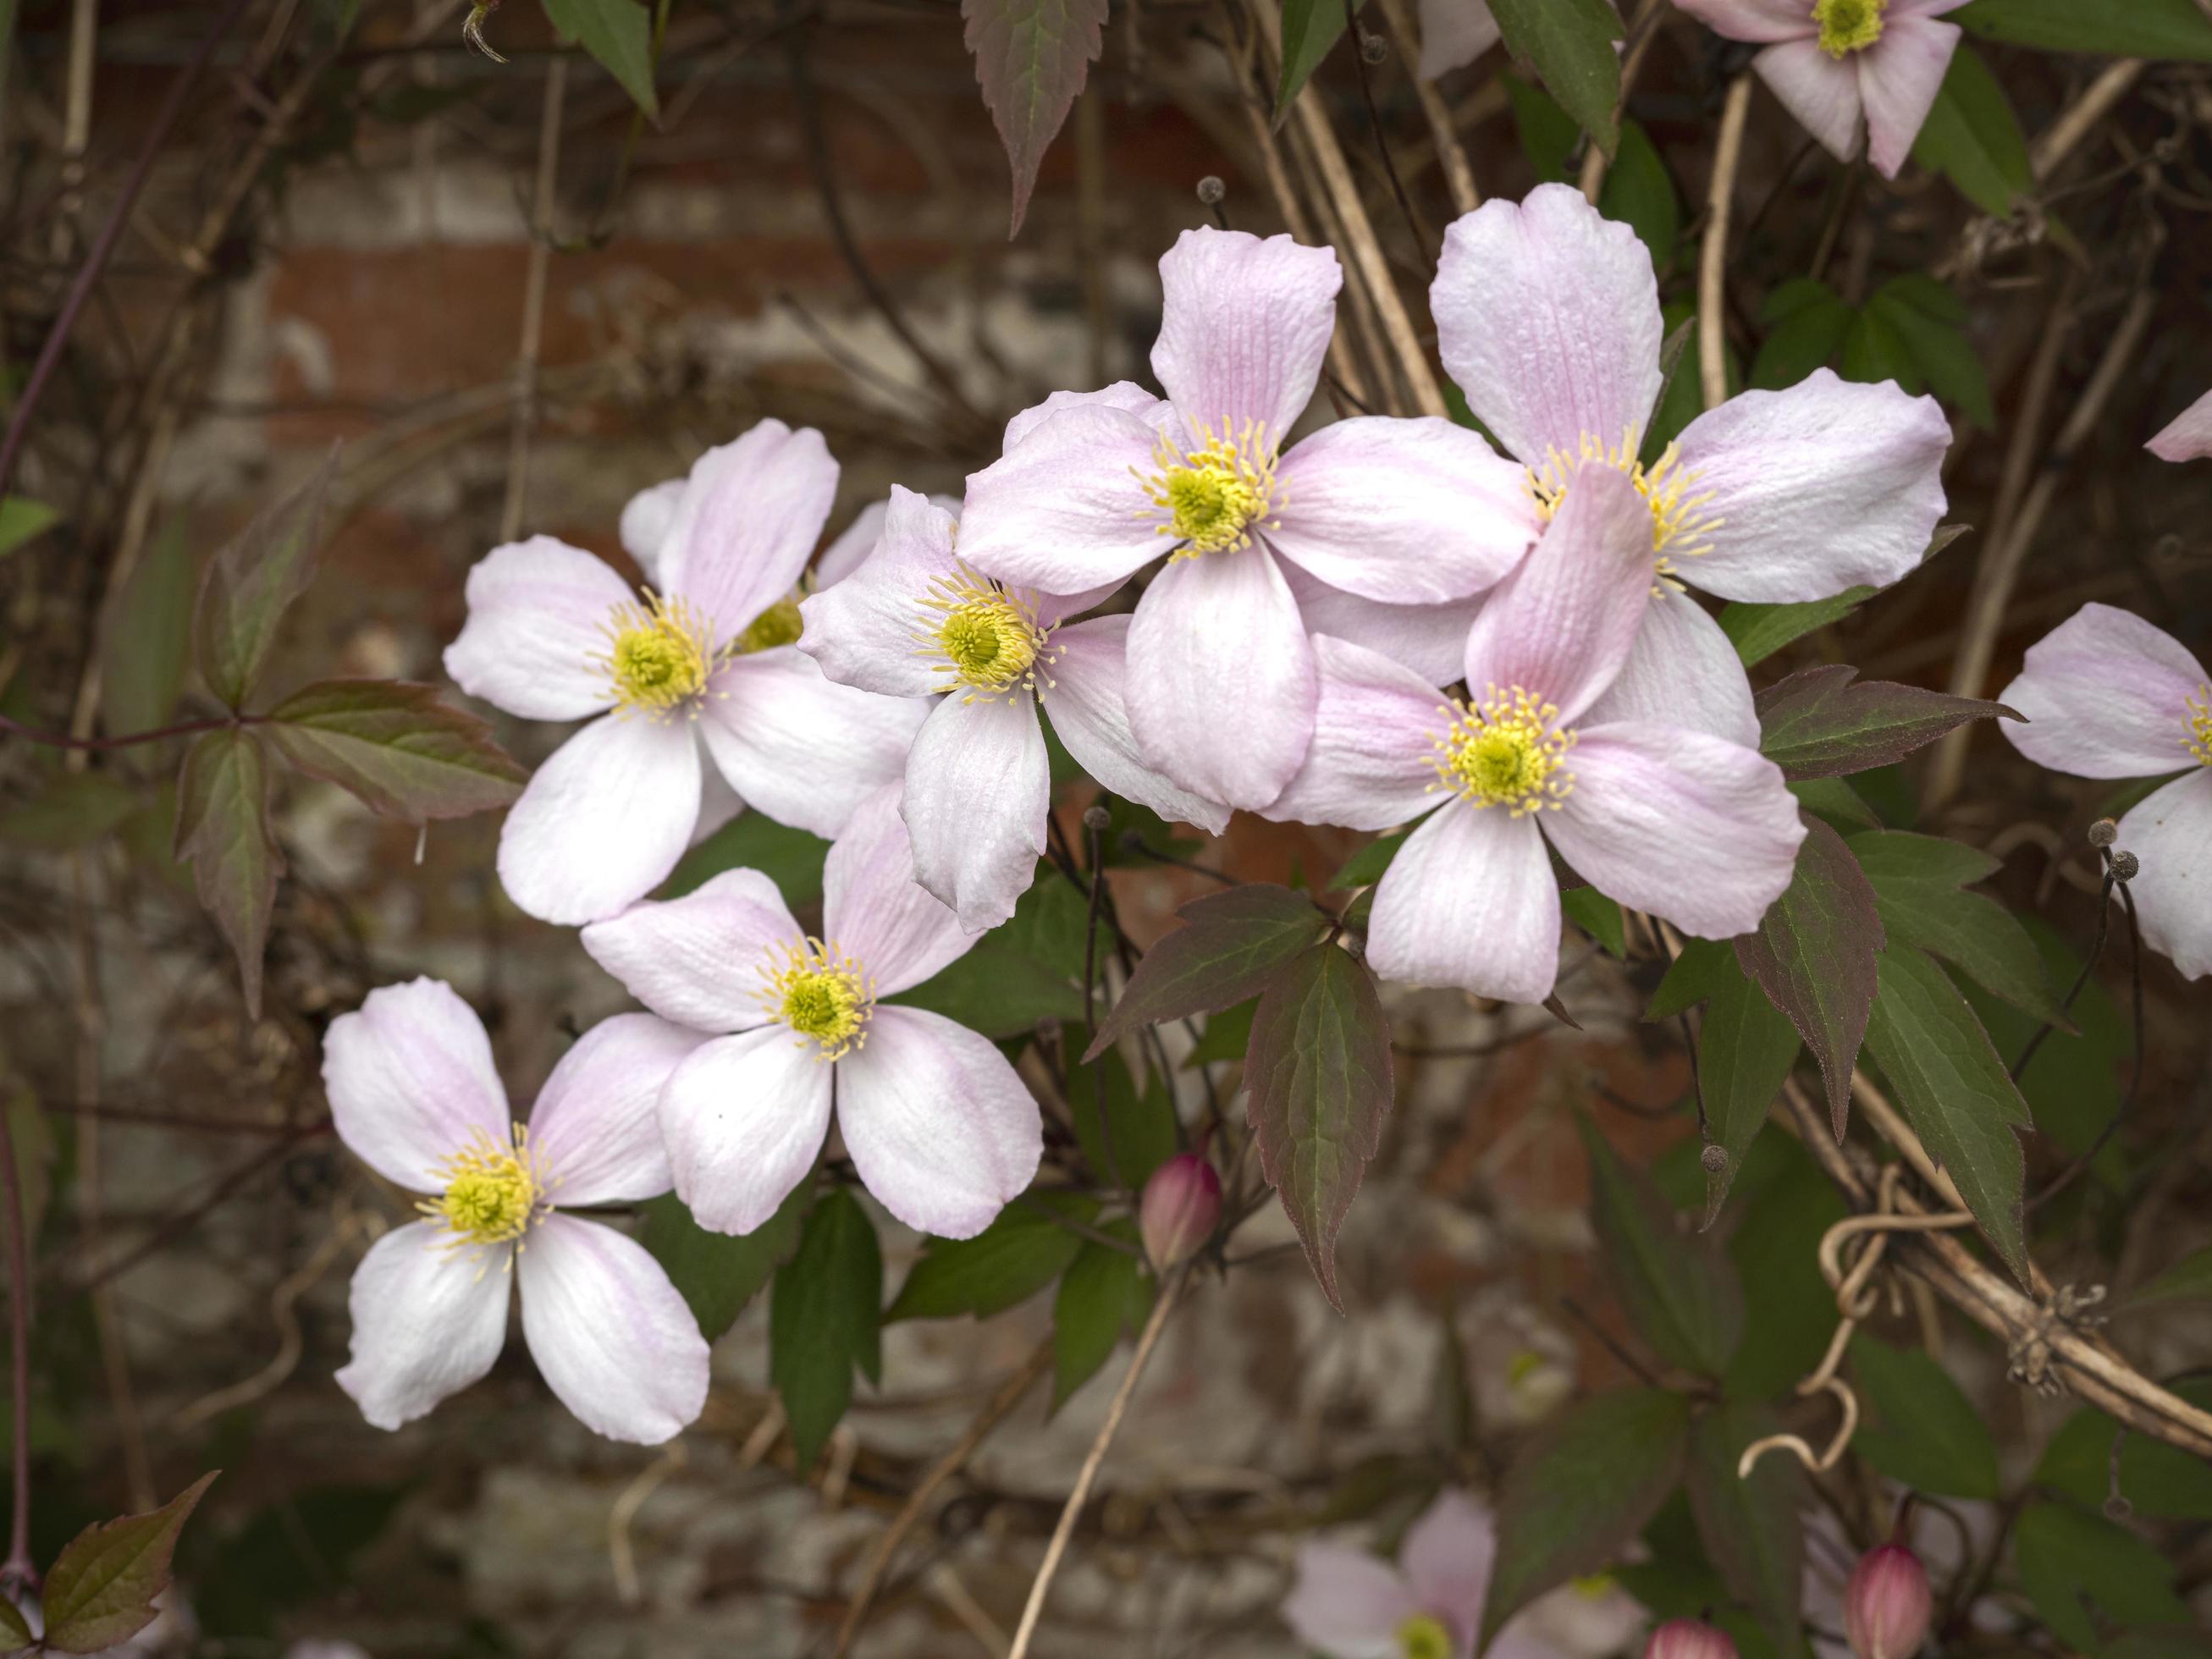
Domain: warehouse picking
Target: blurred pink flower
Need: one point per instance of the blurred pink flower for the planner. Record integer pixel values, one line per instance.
(2188, 436)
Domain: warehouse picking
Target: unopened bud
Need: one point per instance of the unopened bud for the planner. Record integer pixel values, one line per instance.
(1715, 1159)
(1689, 1639)
(1181, 1202)
(1210, 189)
(1097, 818)
(1886, 1604)
(2126, 866)
(2103, 832)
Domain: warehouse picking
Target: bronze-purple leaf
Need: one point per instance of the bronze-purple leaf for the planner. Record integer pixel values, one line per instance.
(251, 582)
(1032, 58)
(101, 1591)
(392, 744)
(1817, 723)
(224, 831)
(1231, 945)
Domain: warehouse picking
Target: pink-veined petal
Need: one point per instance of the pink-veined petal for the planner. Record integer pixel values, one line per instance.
(743, 1118)
(1089, 706)
(2188, 436)
(537, 616)
(696, 960)
(427, 1323)
(1244, 325)
(1562, 623)
(1069, 509)
(798, 745)
(1547, 316)
(1900, 75)
(750, 516)
(411, 1081)
(1124, 395)
(595, 1131)
(643, 528)
(866, 630)
(1682, 671)
(602, 821)
(1690, 827)
(1406, 511)
(1429, 639)
(1821, 93)
(1216, 633)
(1761, 20)
(2171, 834)
(873, 908)
(940, 1129)
(1346, 1603)
(1454, 34)
(978, 786)
(2106, 695)
(612, 1337)
(853, 544)
(1447, 1556)
(1824, 486)
(1470, 901)
(1371, 765)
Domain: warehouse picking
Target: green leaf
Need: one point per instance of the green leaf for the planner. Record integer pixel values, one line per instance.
(1919, 1429)
(1679, 1292)
(1032, 58)
(2189, 1279)
(824, 1318)
(1785, 1300)
(1929, 321)
(618, 34)
(1836, 801)
(1318, 1077)
(1365, 867)
(1917, 881)
(1757, 631)
(1020, 1252)
(1105, 1292)
(1954, 1092)
(102, 1587)
(1570, 46)
(1310, 29)
(1640, 193)
(148, 645)
(1874, 352)
(1581, 1491)
(1231, 945)
(2073, 1088)
(791, 859)
(393, 744)
(1817, 723)
(23, 521)
(72, 809)
(2113, 28)
(1138, 1132)
(15, 1634)
(250, 584)
(1690, 978)
(1681, 397)
(1547, 133)
(2082, 1570)
(717, 1273)
(2156, 1479)
(1598, 916)
(1806, 322)
(1225, 1037)
(1972, 138)
(223, 830)
(1746, 1048)
(1028, 969)
(1752, 1526)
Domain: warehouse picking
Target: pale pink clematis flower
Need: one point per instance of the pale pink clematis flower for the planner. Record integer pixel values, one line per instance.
(703, 657)
(940, 1129)
(914, 620)
(1652, 812)
(1454, 34)
(1350, 1605)
(2188, 436)
(1547, 316)
(413, 1094)
(2108, 695)
(1220, 684)
(1831, 62)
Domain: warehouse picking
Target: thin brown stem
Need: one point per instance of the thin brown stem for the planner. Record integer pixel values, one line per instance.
(1713, 261)
(95, 745)
(533, 301)
(18, 1569)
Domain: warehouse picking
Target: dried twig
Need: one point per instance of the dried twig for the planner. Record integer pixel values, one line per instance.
(525, 418)
(1712, 260)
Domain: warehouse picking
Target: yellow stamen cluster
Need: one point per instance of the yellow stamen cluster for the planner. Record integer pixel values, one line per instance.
(779, 624)
(492, 1194)
(821, 993)
(1213, 494)
(1680, 528)
(1424, 1637)
(1504, 753)
(983, 636)
(1848, 25)
(2199, 722)
(659, 654)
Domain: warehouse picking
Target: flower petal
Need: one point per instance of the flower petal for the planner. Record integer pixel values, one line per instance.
(537, 616)
(941, 1129)
(1244, 328)
(1547, 316)
(1087, 700)
(1762, 20)
(2188, 436)
(1817, 489)
(865, 631)
(427, 1323)
(1126, 395)
(750, 516)
(1407, 512)
(602, 821)
(744, 1117)
(978, 786)
(853, 543)
(646, 518)
(595, 1131)
(798, 746)
(1561, 626)
(1346, 1603)
(1429, 639)
(1454, 34)
(609, 1334)
(1217, 632)
(1821, 93)
(1690, 827)
(1371, 765)
(1470, 900)
(411, 1081)
(2171, 833)
(876, 911)
(1066, 510)
(1447, 1556)
(1682, 671)
(2106, 696)
(1898, 78)
(694, 959)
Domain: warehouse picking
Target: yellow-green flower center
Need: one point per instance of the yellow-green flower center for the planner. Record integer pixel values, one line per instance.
(820, 994)
(1504, 753)
(1848, 25)
(1680, 526)
(492, 1194)
(1424, 1637)
(981, 636)
(779, 624)
(659, 654)
(1214, 494)
(2198, 720)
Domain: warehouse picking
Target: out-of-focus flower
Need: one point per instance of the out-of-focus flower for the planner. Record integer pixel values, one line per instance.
(1181, 1202)
(2188, 436)
(914, 620)
(1454, 32)
(1401, 513)
(939, 1125)
(414, 1096)
(1689, 1639)
(315, 1648)
(1663, 816)
(1886, 1604)
(2108, 695)
(1832, 62)
(1547, 315)
(704, 657)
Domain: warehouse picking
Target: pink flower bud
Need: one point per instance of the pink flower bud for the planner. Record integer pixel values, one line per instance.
(1183, 1200)
(1688, 1639)
(1886, 1604)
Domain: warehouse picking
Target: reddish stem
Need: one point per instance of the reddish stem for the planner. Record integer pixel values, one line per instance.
(17, 1570)
(63, 740)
